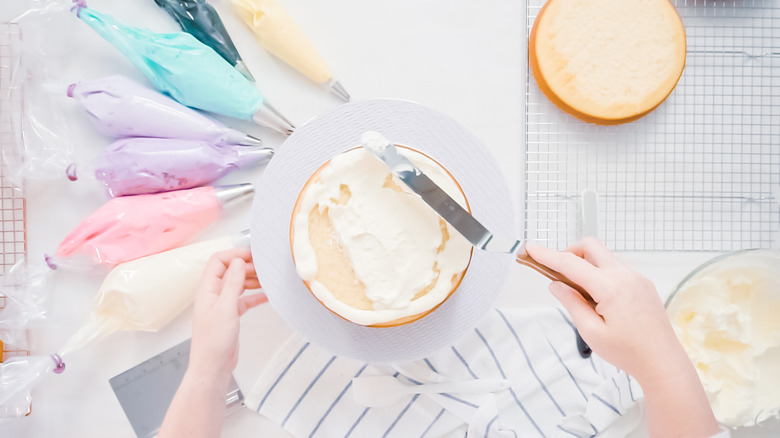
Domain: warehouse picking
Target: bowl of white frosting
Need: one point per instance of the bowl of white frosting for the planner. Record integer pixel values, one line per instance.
(726, 314)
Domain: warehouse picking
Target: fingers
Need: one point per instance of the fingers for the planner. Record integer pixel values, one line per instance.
(250, 301)
(250, 269)
(218, 263)
(575, 268)
(252, 283)
(223, 258)
(233, 281)
(585, 318)
(595, 252)
(212, 276)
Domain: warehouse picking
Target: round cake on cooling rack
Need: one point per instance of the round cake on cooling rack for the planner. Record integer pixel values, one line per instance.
(605, 61)
(368, 248)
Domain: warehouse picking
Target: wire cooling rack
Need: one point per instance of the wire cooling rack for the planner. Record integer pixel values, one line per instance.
(700, 173)
(13, 235)
(12, 205)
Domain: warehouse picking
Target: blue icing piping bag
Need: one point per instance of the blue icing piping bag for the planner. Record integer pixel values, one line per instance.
(187, 70)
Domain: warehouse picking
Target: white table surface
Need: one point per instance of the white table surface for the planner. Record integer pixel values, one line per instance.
(466, 59)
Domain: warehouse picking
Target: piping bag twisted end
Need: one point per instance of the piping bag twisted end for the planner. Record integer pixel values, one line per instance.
(78, 5)
(71, 172)
(59, 365)
(49, 262)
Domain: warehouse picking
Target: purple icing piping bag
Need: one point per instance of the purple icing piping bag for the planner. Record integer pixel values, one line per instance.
(121, 107)
(133, 166)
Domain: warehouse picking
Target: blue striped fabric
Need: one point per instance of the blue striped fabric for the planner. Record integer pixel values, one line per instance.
(553, 393)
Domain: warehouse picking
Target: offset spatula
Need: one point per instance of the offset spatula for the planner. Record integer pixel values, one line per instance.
(459, 218)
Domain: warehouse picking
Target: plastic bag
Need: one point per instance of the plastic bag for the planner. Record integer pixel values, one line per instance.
(129, 227)
(143, 294)
(180, 65)
(121, 107)
(18, 376)
(133, 166)
(26, 295)
(44, 146)
(147, 293)
(202, 21)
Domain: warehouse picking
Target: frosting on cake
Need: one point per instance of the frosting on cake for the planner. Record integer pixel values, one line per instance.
(383, 253)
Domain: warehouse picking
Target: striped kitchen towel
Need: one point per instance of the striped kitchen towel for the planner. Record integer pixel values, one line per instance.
(553, 393)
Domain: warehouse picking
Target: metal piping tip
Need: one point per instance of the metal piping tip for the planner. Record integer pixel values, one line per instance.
(269, 117)
(239, 138)
(336, 88)
(242, 68)
(248, 155)
(231, 194)
(242, 239)
(278, 114)
(251, 140)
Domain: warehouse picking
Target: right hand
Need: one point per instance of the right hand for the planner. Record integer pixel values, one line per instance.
(629, 326)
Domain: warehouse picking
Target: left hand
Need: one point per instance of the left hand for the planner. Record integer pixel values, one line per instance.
(218, 305)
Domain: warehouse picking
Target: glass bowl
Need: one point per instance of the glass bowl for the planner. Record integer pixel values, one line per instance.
(726, 314)
(742, 257)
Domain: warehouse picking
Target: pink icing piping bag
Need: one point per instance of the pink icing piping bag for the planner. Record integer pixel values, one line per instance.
(129, 227)
(139, 165)
(121, 107)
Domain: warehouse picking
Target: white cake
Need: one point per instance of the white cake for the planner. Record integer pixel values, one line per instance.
(368, 248)
(607, 61)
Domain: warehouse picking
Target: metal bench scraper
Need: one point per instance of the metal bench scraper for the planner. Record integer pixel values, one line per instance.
(146, 390)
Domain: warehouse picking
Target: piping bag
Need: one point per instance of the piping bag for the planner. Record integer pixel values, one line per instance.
(187, 70)
(139, 165)
(277, 32)
(121, 107)
(200, 19)
(129, 227)
(144, 294)
(147, 293)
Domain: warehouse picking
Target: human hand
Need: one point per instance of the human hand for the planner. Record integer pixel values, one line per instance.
(196, 409)
(218, 306)
(629, 326)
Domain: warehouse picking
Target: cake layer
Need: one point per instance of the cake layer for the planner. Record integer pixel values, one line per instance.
(607, 61)
(369, 248)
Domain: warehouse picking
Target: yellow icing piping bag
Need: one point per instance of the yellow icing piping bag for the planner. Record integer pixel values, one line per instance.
(277, 33)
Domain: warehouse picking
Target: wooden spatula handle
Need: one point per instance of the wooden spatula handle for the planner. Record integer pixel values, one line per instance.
(524, 259)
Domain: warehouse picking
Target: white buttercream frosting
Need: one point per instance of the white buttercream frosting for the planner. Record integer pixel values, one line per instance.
(374, 141)
(728, 319)
(390, 236)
